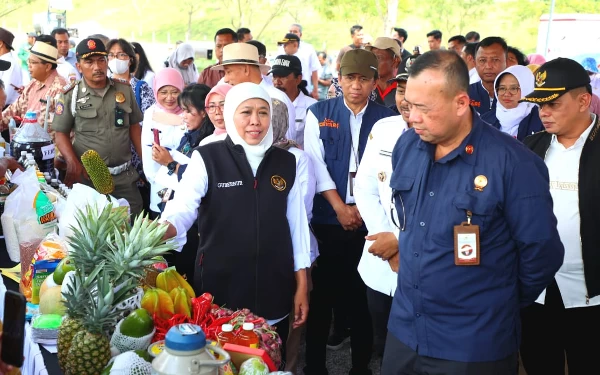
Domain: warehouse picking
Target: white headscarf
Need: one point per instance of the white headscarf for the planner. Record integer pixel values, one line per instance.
(183, 52)
(238, 94)
(510, 118)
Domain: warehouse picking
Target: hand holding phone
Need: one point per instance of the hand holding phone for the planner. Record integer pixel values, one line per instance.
(13, 330)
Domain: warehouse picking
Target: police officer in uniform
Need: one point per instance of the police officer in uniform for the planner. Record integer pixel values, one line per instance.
(104, 117)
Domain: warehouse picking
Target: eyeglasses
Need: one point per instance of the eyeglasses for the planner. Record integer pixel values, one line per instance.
(213, 108)
(392, 208)
(120, 56)
(514, 90)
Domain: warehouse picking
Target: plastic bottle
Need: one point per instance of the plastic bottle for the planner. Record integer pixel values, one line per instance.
(23, 158)
(54, 183)
(247, 337)
(226, 335)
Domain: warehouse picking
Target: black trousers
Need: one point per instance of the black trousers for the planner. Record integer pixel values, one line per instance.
(380, 306)
(400, 359)
(336, 281)
(549, 331)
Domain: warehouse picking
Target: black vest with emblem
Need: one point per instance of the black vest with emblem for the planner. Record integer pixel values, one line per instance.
(245, 258)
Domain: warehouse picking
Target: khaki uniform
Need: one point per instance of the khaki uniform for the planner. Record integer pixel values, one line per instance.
(93, 117)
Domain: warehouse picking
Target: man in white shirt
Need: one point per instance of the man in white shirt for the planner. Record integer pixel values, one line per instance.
(13, 76)
(468, 54)
(291, 45)
(566, 314)
(287, 77)
(241, 64)
(378, 265)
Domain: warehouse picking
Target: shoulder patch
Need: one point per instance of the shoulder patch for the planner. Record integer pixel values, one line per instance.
(68, 87)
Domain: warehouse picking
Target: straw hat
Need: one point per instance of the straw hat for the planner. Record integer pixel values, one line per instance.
(239, 53)
(45, 52)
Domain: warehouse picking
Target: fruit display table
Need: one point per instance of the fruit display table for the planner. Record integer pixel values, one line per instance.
(38, 361)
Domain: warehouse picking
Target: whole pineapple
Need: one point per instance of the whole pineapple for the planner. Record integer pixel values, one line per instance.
(89, 351)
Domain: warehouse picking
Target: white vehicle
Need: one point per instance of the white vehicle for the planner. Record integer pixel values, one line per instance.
(570, 35)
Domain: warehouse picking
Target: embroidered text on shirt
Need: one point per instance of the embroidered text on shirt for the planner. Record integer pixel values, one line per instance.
(229, 184)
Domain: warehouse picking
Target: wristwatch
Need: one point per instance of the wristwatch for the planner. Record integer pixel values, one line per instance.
(171, 167)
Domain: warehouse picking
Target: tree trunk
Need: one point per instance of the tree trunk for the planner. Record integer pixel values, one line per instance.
(391, 17)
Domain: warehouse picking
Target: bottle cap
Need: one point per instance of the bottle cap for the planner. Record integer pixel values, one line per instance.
(227, 328)
(248, 326)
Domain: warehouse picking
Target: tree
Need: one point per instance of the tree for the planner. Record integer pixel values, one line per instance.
(190, 7)
(452, 16)
(246, 13)
(9, 6)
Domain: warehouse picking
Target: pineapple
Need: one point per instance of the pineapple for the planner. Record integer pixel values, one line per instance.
(89, 351)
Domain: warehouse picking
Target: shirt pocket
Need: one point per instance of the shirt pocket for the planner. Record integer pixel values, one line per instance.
(127, 109)
(481, 208)
(332, 145)
(88, 121)
(403, 198)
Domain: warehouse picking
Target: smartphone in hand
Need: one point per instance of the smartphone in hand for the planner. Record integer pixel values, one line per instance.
(13, 329)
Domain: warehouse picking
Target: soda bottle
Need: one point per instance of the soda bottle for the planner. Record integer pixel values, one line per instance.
(247, 337)
(226, 335)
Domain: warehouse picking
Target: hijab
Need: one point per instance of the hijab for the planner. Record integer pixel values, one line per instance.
(280, 125)
(536, 58)
(168, 77)
(511, 118)
(221, 89)
(235, 97)
(183, 52)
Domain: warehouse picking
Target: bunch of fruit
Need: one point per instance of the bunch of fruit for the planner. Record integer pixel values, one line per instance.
(172, 295)
(110, 257)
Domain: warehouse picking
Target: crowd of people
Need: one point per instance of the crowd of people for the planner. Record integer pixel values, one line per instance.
(427, 205)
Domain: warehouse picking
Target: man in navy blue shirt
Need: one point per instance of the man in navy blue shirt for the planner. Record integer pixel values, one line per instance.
(490, 60)
(478, 237)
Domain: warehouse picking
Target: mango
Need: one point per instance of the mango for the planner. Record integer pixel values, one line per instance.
(181, 301)
(157, 301)
(51, 302)
(170, 279)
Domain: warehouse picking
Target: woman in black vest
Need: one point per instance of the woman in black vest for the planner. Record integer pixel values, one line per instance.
(254, 238)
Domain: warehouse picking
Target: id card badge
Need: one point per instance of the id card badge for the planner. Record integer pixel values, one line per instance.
(351, 177)
(119, 117)
(466, 243)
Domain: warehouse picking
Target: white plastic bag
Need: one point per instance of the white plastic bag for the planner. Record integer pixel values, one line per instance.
(79, 197)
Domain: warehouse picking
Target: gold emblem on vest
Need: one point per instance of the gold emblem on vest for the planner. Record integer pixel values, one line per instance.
(278, 183)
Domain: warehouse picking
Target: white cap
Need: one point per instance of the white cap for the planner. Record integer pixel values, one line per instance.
(248, 326)
(227, 328)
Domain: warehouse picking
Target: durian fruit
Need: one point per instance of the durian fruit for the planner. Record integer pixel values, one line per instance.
(98, 172)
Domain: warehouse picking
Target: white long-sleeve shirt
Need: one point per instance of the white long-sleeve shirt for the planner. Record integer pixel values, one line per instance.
(305, 178)
(301, 104)
(12, 76)
(170, 137)
(182, 211)
(313, 145)
(373, 199)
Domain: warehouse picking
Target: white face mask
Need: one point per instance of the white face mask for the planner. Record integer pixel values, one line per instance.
(117, 66)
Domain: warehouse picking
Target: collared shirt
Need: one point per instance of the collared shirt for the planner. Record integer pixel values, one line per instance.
(373, 198)
(563, 167)
(282, 97)
(324, 73)
(309, 60)
(182, 211)
(470, 313)
(211, 77)
(473, 76)
(386, 97)
(301, 104)
(71, 58)
(12, 76)
(67, 71)
(481, 99)
(314, 147)
(29, 100)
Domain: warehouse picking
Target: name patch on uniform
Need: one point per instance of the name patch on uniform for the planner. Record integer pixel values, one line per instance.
(329, 124)
(278, 183)
(85, 106)
(229, 184)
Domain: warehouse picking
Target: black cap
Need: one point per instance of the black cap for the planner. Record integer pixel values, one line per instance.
(402, 77)
(289, 37)
(90, 46)
(4, 65)
(555, 78)
(284, 65)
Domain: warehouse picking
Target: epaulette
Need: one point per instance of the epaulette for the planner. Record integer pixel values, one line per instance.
(69, 87)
